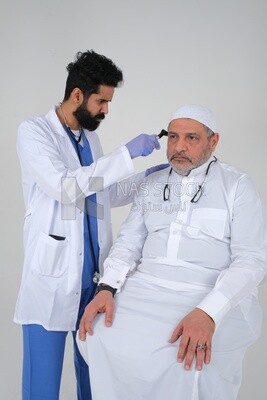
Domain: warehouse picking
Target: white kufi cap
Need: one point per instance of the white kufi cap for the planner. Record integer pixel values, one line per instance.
(198, 113)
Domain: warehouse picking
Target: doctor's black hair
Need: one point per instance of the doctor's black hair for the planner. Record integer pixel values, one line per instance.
(90, 70)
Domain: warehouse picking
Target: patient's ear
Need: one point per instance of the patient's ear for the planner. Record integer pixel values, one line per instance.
(214, 139)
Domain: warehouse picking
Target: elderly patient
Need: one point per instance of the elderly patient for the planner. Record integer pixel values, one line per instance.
(185, 269)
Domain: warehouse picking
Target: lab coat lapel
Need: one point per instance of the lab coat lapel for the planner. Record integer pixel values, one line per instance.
(61, 139)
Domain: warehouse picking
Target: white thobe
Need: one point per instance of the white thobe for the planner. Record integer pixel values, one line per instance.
(179, 255)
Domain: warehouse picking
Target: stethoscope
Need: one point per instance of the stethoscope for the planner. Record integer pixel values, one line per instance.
(76, 141)
(199, 192)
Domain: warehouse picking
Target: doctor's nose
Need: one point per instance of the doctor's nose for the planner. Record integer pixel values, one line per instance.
(104, 108)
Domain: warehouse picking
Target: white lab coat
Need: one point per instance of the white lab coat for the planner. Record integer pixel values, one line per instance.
(169, 258)
(51, 281)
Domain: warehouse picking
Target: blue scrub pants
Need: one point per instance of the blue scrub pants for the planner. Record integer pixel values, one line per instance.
(43, 354)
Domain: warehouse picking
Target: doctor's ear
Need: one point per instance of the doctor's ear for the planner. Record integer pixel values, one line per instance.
(77, 96)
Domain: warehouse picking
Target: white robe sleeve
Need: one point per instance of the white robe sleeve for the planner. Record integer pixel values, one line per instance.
(126, 253)
(248, 254)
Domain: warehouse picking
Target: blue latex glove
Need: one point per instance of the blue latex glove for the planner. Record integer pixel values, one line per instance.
(142, 145)
(156, 168)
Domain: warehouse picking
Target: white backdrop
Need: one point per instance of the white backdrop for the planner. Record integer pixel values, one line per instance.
(172, 52)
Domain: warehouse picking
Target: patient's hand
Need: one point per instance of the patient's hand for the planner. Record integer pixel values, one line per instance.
(103, 302)
(194, 329)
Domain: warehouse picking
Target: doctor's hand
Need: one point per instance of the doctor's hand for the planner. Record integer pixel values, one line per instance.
(195, 331)
(142, 145)
(103, 302)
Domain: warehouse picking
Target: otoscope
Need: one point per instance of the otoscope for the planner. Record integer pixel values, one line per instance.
(162, 133)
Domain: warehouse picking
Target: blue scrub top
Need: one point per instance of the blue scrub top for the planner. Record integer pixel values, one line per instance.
(91, 247)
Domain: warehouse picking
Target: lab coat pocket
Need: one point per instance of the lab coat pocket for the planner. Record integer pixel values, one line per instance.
(50, 257)
(210, 221)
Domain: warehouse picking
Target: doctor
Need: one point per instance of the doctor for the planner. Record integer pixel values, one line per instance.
(68, 185)
(186, 264)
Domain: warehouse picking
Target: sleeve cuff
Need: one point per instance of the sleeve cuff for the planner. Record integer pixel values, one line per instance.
(216, 305)
(114, 278)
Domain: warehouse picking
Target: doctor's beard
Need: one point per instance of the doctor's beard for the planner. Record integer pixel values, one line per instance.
(86, 119)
